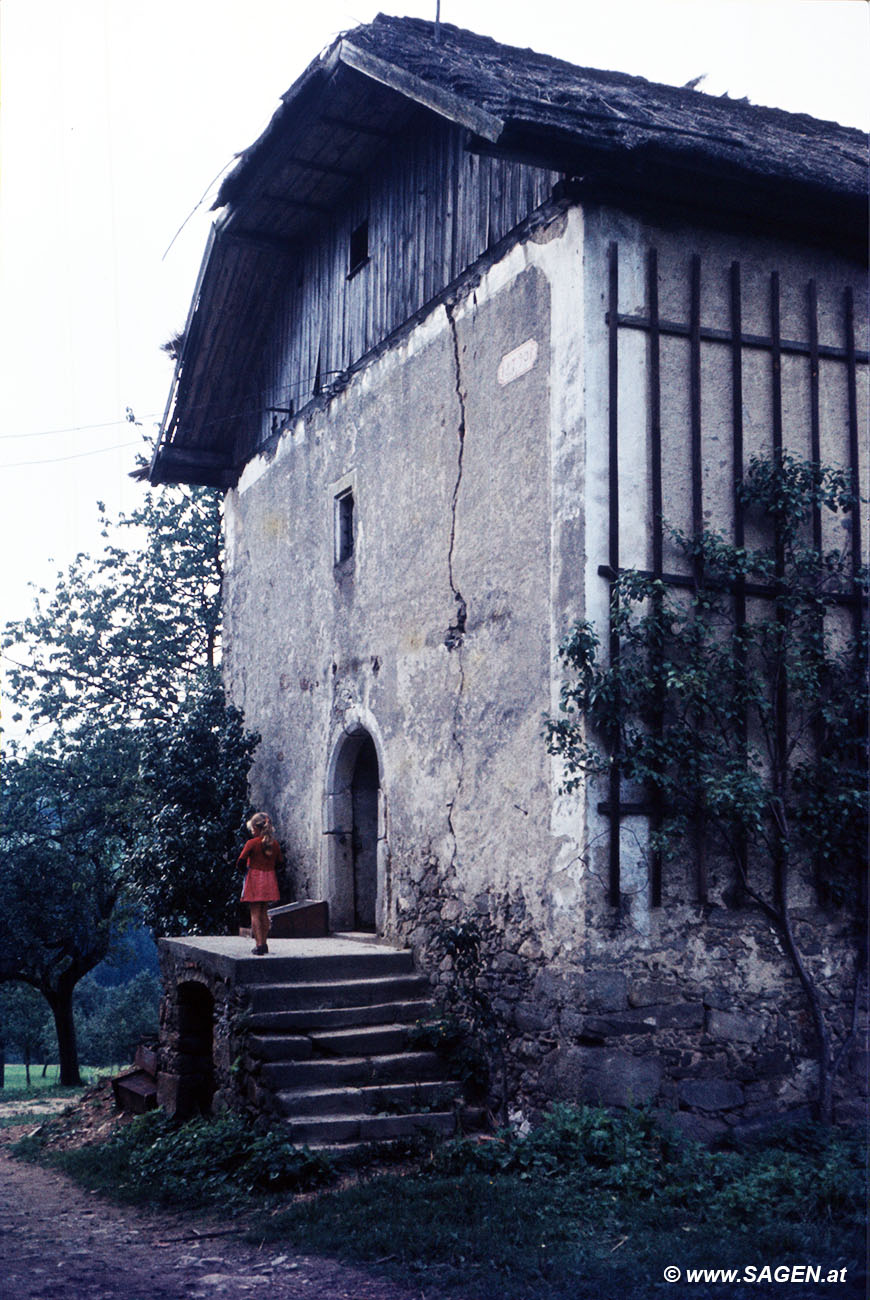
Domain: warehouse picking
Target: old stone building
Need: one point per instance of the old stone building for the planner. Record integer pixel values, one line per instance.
(471, 323)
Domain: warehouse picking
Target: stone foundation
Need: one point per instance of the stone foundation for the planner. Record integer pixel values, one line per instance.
(702, 1018)
(203, 1059)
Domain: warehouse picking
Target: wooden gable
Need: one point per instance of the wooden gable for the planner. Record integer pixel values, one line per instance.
(443, 146)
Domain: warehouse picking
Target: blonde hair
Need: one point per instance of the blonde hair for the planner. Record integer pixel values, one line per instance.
(261, 824)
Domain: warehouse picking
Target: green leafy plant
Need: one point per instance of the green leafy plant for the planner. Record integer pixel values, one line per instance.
(741, 707)
(66, 806)
(24, 1017)
(134, 796)
(223, 1160)
(124, 636)
(470, 1034)
(112, 1020)
(456, 1042)
(591, 1201)
(192, 795)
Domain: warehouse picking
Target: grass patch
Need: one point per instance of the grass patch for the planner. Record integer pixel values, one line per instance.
(16, 1094)
(225, 1161)
(594, 1204)
(589, 1204)
(16, 1087)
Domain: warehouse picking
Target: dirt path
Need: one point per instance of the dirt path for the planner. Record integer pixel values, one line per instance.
(59, 1242)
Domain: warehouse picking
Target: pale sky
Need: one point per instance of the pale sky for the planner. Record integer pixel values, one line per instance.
(116, 117)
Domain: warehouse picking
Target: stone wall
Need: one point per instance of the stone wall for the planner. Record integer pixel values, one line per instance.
(708, 1025)
(204, 1063)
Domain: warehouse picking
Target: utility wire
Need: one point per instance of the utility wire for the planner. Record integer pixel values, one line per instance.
(75, 428)
(76, 455)
(193, 212)
(242, 412)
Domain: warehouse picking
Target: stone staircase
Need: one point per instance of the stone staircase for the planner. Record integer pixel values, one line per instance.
(330, 1034)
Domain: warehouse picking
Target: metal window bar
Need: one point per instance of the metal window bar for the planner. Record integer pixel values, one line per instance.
(737, 340)
(739, 529)
(655, 418)
(854, 462)
(698, 834)
(613, 555)
(815, 400)
(780, 686)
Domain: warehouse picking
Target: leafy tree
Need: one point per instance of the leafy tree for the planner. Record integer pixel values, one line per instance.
(112, 1020)
(23, 1023)
(65, 814)
(193, 792)
(748, 731)
(120, 662)
(123, 638)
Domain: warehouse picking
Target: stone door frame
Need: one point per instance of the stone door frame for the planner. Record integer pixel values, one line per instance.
(337, 859)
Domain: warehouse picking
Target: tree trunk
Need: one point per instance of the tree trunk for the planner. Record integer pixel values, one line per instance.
(779, 916)
(61, 1003)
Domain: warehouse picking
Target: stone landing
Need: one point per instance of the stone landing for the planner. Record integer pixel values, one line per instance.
(316, 1033)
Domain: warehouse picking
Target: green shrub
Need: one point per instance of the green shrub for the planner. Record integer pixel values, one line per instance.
(591, 1202)
(618, 1150)
(632, 1155)
(207, 1161)
(458, 1045)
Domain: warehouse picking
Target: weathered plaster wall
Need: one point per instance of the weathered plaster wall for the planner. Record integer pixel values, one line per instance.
(476, 448)
(691, 1006)
(437, 637)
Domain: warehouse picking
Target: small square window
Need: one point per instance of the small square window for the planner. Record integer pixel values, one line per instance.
(359, 248)
(344, 530)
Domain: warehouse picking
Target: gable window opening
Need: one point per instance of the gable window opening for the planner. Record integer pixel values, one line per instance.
(344, 532)
(359, 248)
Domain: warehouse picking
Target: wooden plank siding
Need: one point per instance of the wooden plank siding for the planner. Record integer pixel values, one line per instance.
(432, 208)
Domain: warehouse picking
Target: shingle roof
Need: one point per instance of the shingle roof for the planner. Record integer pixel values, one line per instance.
(622, 139)
(579, 118)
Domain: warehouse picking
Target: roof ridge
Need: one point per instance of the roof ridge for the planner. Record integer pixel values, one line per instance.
(465, 36)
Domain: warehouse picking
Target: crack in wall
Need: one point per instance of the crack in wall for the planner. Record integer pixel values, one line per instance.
(456, 632)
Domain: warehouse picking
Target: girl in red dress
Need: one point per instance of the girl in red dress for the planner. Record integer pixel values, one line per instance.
(263, 855)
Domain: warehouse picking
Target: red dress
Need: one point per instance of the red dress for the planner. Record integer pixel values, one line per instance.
(261, 882)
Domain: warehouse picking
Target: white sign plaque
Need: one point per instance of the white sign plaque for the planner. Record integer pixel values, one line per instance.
(518, 362)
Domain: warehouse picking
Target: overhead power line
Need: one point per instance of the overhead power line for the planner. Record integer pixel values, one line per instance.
(255, 410)
(76, 455)
(75, 428)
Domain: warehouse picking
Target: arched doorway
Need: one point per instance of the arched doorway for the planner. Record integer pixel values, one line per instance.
(364, 789)
(195, 1050)
(354, 830)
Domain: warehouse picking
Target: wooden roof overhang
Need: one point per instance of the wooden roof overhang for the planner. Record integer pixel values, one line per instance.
(619, 138)
(320, 143)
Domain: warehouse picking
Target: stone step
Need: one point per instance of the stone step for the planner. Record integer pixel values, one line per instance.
(335, 994)
(352, 1071)
(398, 1098)
(281, 1047)
(325, 1130)
(306, 969)
(371, 1040)
(380, 1013)
(368, 1040)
